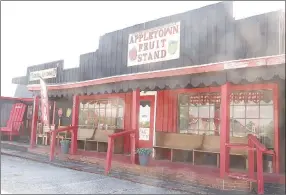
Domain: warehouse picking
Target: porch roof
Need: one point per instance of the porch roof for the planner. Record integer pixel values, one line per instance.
(238, 71)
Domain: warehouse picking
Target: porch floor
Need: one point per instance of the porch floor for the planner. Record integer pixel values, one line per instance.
(119, 160)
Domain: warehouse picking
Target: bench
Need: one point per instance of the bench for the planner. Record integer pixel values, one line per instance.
(99, 141)
(83, 134)
(180, 145)
(211, 144)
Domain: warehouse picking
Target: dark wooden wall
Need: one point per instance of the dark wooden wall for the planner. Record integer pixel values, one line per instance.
(203, 40)
(5, 109)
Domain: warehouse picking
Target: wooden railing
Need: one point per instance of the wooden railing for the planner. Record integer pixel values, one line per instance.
(111, 139)
(54, 133)
(252, 146)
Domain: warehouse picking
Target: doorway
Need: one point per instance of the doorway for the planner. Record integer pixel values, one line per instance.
(146, 121)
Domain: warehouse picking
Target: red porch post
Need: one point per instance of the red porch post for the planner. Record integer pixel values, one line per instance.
(224, 128)
(276, 159)
(135, 121)
(75, 113)
(34, 122)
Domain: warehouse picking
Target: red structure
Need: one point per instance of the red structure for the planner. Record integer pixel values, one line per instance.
(218, 98)
(15, 122)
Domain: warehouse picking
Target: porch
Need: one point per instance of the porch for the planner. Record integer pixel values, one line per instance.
(174, 123)
(183, 173)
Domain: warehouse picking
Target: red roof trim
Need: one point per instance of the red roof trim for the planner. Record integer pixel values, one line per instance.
(14, 98)
(251, 62)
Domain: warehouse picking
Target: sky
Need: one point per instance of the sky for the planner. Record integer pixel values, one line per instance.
(35, 32)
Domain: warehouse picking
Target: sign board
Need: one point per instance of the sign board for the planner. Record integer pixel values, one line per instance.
(154, 45)
(45, 74)
(144, 134)
(44, 103)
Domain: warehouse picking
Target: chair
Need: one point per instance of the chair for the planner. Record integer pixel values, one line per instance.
(15, 121)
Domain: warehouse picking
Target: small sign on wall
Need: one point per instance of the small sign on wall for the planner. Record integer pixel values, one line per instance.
(144, 134)
(154, 45)
(45, 74)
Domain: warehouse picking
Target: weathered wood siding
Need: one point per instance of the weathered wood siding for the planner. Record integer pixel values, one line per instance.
(59, 64)
(203, 39)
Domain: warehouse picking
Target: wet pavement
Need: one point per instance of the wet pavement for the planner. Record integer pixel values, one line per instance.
(24, 172)
(22, 176)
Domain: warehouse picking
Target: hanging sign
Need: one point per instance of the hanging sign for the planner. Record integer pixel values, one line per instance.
(44, 103)
(144, 134)
(44, 74)
(154, 45)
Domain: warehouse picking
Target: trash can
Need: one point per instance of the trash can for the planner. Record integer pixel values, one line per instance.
(65, 146)
(268, 166)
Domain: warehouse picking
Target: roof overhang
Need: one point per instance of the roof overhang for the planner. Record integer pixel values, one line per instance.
(15, 98)
(188, 70)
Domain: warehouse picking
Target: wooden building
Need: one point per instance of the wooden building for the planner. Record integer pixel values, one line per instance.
(198, 81)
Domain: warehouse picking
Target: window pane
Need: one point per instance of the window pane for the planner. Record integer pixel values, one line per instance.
(91, 113)
(144, 116)
(238, 111)
(252, 111)
(252, 126)
(193, 124)
(102, 119)
(238, 127)
(211, 111)
(209, 132)
(120, 112)
(96, 104)
(237, 103)
(204, 124)
(204, 112)
(193, 112)
(264, 102)
(266, 111)
(212, 124)
(183, 117)
(250, 102)
(266, 129)
(119, 123)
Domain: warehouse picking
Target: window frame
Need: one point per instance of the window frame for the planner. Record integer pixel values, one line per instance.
(106, 97)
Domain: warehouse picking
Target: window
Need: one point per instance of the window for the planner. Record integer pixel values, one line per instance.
(104, 114)
(252, 112)
(199, 113)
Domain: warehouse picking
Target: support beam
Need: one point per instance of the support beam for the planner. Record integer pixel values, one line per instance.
(109, 154)
(34, 122)
(224, 129)
(75, 115)
(276, 160)
(135, 119)
(52, 146)
(54, 113)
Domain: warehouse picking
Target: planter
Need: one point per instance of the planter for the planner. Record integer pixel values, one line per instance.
(144, 154)
(65, 146)
(143, 159)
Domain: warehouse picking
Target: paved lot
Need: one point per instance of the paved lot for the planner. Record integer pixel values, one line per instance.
(20, 176)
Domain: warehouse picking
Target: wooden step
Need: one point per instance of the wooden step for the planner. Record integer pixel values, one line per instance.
(241, 176)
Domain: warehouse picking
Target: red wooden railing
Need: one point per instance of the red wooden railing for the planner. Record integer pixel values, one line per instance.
(111, 139)
(252, 146)
(54, 133)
